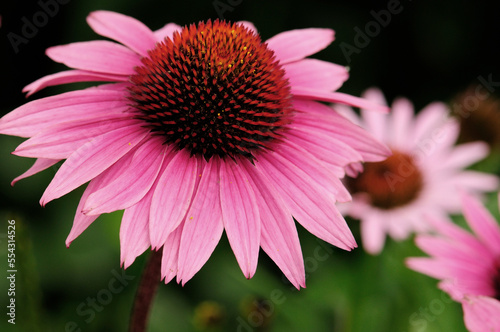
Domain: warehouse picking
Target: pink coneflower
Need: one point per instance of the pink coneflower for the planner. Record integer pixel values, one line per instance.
(422, 175)
(468, 265)
(205, 129)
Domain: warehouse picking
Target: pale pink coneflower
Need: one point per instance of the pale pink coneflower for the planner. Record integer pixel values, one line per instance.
(422, 176)
(203, 129)
(468, 265)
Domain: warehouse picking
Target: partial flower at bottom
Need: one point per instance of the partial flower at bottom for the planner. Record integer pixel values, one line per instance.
(202, 129)
(468, 265)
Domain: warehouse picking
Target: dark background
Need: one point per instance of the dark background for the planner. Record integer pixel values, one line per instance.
(430, 50)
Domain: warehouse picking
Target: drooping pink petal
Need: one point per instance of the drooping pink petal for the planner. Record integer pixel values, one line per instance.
(328, 149)
(316, 74)
(29, 119)
(279, 238)
(172, 196)
(61, 140)
(170, 258)
(203, 226)
(82, 221)
(134, 231)
(98, 56)
(71, 76)
(92, 159)
(336, 97)
(481, 313)
(297, 44)
(39, 165)
(322, 175)
(167, 31)
(309, 203)
(338, 127)
(482, 222)
(124, 29)
(240, 214)
(131, 186)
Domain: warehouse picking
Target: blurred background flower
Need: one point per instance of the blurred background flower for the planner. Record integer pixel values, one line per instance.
(422, 50)
(423, 175)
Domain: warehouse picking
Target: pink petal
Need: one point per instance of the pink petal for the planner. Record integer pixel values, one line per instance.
(131, 186)
(429, 266)
(310, 203)
(71, 76)
(482, 222)
(279, 238)
(170, 258)
(474, 181)
(375, 122)
(60, 141)
(326, 148)
(167, 31)
(337, 97)
(373, 233)
(450, 230)
(481, 313)
(97, 56)
(134, 231)
(124, 29)
(82, 221)
(400, 123)
(338, 127)
(316, 74)
(464, 155)
(203, 226)
(322, 175)
(240, 214)
(39, 165)
(29, 119)
(92, 159)
(172, 196)
(429, 119)
(454, 251)
(294, 45)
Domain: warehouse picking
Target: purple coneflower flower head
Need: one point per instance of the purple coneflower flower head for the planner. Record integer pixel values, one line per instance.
(201, 130)
(422, 175)
(468, 265)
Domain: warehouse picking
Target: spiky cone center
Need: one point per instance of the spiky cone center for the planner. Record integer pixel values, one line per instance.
(394, 182)
(214, 89)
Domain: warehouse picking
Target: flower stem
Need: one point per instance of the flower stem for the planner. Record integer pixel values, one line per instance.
(146, 292)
